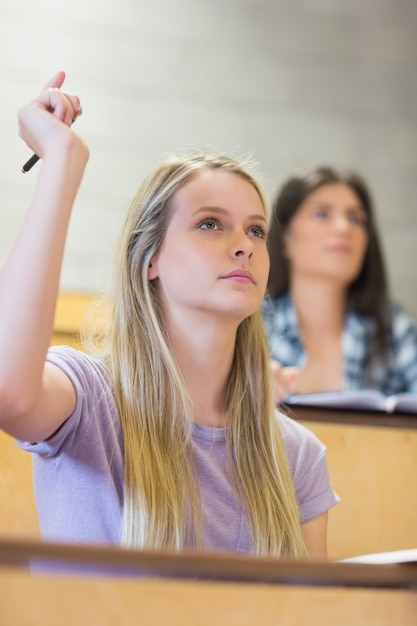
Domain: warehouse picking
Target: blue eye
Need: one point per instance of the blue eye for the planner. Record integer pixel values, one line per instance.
(321, 214)
(356, 217)
(209, 224)
(258, 231)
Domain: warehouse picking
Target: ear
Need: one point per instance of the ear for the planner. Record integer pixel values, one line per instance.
(153, 269)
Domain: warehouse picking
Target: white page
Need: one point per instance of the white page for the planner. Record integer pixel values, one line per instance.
(395, 556)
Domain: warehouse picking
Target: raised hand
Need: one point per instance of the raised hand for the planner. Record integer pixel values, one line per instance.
(34, 399)
(44, 122)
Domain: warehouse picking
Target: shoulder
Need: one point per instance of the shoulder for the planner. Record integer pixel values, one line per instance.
(279, 311)
(278, 303)
(400, 320)
(77, 364)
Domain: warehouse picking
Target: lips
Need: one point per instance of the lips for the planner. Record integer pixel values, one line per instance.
(341, 248)
(242, 276)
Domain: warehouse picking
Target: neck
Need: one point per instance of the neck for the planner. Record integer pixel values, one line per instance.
(320, 305)
(204, 353)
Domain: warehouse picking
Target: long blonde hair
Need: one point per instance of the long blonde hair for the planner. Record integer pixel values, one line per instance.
(161, 496)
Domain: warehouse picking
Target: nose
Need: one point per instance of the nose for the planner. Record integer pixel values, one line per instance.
(342, 223)
(242, 245)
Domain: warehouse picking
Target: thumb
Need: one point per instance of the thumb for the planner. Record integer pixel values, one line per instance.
(291, 376)
(56, 81)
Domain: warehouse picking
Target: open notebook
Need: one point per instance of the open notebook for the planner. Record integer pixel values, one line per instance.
(383, 558)
(366, 399)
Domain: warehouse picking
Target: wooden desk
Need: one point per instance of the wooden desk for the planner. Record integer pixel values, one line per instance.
(220, 566)
(372, 461)
(158, 588)
(346, 416)
(205, 589)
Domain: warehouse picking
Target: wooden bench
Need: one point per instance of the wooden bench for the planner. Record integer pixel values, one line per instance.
(118, 586)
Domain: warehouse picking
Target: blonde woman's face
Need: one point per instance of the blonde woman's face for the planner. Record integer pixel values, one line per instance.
(327, 237)
(213, 260)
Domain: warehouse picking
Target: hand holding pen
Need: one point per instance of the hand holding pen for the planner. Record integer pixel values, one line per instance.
(62, 105)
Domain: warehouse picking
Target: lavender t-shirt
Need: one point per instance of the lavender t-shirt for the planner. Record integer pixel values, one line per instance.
(78, 472)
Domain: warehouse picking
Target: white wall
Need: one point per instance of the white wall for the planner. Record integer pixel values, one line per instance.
(294, 82)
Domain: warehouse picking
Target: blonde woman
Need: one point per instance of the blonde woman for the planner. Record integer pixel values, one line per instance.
(167, 438)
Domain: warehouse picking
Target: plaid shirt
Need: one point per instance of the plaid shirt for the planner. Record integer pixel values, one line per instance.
(396, 374)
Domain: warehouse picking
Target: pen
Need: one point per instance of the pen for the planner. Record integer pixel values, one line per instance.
(34, 158)
(29, 164)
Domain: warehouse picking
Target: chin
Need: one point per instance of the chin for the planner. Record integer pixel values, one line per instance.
(242, 313)
(345, 277)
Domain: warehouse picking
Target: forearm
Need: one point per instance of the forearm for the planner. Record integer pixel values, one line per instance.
(29, 281)
(315, 536)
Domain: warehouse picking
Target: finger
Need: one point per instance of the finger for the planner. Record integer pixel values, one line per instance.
(279, 390)
(291, 376)
(276, 367)
(279, 394)
(57, 80)
(75, 103)
(63, 106)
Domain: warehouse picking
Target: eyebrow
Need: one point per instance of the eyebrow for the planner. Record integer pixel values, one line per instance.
(222, 211)
(330, 204)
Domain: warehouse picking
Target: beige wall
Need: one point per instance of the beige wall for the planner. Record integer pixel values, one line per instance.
(294, 83)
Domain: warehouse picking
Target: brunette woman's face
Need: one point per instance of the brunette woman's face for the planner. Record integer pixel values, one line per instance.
(327, 237)
(214, 259)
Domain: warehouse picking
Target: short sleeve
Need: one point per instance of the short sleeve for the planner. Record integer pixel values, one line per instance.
(88, 377)
(307, 460)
